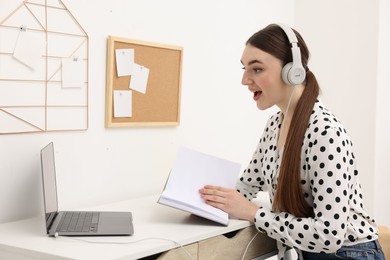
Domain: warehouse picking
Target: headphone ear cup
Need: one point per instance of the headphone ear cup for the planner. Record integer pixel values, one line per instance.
(293, 75)
(285, 71)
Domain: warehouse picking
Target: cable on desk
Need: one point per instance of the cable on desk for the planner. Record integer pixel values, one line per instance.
(131, 242)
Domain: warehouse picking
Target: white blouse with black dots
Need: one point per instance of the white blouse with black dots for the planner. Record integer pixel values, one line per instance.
(329, 179)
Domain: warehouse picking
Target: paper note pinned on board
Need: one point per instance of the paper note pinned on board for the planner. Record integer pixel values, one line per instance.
(28, 49)
(72, 73)
(124, 62)
(139, 79)
(123, 103)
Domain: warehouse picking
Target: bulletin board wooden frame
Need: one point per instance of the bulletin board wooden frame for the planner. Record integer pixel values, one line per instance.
(160, 104)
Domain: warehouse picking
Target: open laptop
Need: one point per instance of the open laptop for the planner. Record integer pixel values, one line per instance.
(75, 223)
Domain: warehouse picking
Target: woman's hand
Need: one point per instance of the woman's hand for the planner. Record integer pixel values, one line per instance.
(230, 201)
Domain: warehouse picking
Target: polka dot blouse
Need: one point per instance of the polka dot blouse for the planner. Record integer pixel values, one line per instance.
(329, 179)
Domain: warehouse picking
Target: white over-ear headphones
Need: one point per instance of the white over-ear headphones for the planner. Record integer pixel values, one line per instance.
(293, 73)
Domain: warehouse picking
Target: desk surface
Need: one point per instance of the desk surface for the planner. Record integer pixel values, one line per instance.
(152, 224)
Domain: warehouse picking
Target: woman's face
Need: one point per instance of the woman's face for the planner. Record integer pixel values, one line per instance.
(263, 76)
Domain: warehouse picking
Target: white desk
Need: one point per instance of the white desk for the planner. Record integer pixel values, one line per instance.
(26, 239)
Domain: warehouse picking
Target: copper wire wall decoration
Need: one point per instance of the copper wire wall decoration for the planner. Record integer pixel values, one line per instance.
(34, 96)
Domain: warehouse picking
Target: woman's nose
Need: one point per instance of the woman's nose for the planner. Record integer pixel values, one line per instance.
(246, 80)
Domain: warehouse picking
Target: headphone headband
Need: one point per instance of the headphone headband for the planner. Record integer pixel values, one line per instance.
(289, 32)
(293, 73)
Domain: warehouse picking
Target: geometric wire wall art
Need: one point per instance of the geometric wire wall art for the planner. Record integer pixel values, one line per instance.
(43, 69)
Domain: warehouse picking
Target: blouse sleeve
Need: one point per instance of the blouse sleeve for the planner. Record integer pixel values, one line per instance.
(252, 180)
(329, 166)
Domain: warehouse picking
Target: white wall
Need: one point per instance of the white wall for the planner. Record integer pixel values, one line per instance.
(382, 140)
(218, 115)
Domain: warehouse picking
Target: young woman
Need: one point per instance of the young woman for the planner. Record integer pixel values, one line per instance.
(304, 160)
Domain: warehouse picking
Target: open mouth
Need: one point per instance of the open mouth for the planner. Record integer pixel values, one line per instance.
(256, 95)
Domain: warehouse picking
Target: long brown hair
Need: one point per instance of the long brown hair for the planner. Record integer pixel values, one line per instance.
(289, 195)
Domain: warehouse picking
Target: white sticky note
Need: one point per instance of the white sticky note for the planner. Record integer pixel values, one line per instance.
(72, 73)
(28, 49)
(123, 103)
(139, 79)
(124, 62)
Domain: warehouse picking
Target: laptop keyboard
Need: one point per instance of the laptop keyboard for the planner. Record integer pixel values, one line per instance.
(79, 222)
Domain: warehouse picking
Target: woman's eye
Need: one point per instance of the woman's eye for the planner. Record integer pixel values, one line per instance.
(255, 70)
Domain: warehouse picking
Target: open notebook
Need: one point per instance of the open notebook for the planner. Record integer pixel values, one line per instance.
(191, 171)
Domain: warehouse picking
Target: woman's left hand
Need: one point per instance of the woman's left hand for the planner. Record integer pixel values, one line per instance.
(230, 201)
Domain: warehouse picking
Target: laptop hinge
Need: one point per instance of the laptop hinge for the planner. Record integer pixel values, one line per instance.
(50, 217)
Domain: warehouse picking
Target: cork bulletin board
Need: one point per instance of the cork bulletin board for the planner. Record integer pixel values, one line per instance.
(159, 105)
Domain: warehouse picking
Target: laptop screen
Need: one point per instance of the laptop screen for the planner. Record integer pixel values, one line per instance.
(49, 183)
